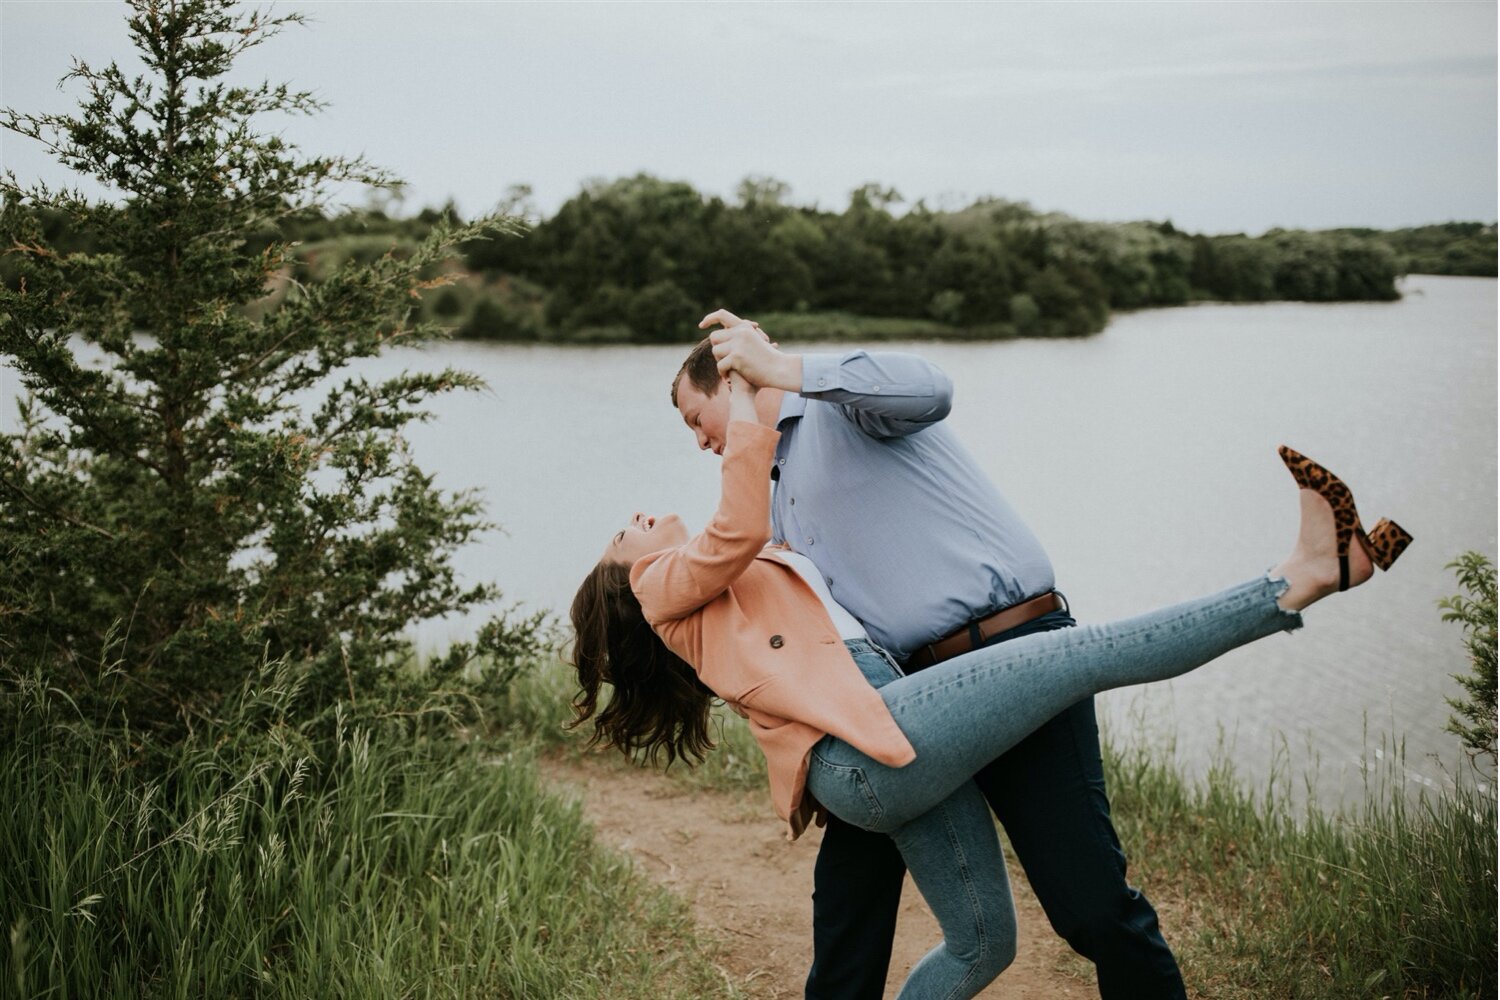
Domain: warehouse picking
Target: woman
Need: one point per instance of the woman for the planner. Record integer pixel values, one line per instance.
(671, 620)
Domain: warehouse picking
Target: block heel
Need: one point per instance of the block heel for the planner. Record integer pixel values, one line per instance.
(1385, 542)
(1383, 545)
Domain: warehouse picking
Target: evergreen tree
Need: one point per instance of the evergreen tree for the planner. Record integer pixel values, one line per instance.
(197, 481)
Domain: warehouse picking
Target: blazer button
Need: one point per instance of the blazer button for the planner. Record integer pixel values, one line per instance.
(776, 642)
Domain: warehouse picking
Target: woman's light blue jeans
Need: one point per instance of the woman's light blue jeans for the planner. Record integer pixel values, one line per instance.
(963, 713)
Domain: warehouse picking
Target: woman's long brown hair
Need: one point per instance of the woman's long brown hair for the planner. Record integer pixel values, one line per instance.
(656, 705)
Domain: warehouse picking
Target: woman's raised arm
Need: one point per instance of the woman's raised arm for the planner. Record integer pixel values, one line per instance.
(676, 582)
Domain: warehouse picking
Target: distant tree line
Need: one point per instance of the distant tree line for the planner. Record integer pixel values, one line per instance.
(1458, 248)
(640, 258)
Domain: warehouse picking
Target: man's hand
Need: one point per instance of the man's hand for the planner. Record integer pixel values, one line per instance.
(741, 346)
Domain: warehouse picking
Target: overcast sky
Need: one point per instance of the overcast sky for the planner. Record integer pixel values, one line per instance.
(1219, 116)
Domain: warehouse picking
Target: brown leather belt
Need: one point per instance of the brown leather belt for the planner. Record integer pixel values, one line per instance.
(961, 640)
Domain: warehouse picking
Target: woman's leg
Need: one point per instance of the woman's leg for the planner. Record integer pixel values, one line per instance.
(954, 856)
(961, 714)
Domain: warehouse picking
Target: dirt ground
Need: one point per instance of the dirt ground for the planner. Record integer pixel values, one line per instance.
(750, 889)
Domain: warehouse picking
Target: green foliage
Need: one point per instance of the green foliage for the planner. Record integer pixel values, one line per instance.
(1460, 248)
(198, 482)
(1233, 268)
(1320, 268)
(1474, 722)
(264, 857)
(503, 308)
(655, 313)
(629, 260)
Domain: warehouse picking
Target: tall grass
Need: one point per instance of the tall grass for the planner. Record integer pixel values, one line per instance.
(1393, 897)
(253, 860)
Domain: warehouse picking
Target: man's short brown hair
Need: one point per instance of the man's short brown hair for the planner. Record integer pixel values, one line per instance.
(701, 369)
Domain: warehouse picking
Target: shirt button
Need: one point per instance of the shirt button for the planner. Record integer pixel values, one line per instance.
(874, 388)
(809, 541)
(822, 381)
(781, 461)
(793, 501)
(776, 642)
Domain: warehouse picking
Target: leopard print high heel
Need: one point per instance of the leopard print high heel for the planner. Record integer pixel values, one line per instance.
(1384, 544)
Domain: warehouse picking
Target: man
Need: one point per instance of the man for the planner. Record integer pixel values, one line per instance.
(915, 541)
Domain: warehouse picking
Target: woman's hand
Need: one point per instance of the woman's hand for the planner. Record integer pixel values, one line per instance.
(739, 383)
(741, 397)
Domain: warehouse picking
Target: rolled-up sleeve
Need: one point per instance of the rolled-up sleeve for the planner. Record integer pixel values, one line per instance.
(886, 394)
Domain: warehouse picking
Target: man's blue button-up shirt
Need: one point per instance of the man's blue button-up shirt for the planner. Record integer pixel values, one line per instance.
(875, 489)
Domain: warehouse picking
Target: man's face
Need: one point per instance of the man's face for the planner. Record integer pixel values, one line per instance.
(706, 416)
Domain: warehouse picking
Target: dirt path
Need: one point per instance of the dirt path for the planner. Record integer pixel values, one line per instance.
(750, 889)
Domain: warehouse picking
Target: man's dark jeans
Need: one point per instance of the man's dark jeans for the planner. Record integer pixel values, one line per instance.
(1048, 792)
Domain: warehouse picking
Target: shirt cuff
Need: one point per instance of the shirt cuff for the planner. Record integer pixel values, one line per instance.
(819, 373)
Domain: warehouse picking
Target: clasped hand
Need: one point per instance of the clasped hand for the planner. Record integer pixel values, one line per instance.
(742, 348)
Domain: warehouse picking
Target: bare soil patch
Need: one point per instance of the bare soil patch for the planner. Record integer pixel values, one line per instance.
(750, 890)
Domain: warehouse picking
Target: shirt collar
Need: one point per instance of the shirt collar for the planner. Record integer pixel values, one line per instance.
(793, 405)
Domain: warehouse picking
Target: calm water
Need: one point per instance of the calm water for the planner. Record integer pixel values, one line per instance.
(1145, 459)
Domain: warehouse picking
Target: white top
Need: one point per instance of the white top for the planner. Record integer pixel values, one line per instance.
(848, 626)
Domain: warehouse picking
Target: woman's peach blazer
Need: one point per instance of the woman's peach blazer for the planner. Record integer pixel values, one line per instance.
(759, 637)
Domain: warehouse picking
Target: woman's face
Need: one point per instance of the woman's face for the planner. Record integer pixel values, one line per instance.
(645, 535)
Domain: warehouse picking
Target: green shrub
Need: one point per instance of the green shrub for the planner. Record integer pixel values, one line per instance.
(1474, 722)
